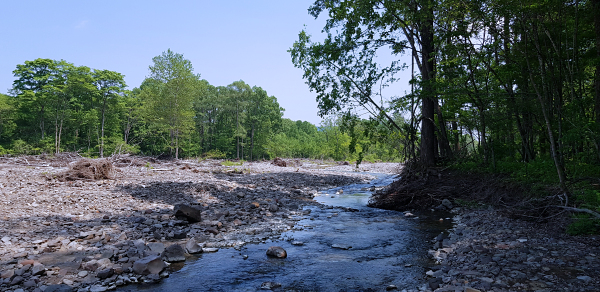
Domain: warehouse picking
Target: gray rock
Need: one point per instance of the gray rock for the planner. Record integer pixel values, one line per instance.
(585, 278)
(435, 283)
(98, 288)
(59, 288)
(106, 273)
(190, 213)
(149, 265)
(174, 253)
(7, 274)
(29, 284)
(446, 203)
(341, 246)
(38, 269)
(16, 280)
(192, 246)
(156, 247)
(269, 285)
(276, 251)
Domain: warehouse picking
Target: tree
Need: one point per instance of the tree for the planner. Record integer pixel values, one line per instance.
(109, 86)
(7, 116)
(344, 71)
(170, 93)
(33, 89)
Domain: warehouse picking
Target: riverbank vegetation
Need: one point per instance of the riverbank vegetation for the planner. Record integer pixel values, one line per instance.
(499, 87)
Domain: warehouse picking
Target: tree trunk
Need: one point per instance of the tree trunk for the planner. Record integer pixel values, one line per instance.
(252, 142)
(596, 9)
(102, 129)
(428, 94)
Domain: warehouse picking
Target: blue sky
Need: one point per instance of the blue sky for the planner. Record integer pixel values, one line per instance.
(225, 40)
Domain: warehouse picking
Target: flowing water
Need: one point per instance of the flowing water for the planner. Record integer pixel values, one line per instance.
(365, 250)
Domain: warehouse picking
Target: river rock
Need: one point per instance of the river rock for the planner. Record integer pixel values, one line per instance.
(156, 247)
(446, 203)
(190, 213)
(192, 246)
(269, 285)
(16, 280)
(277, 252)
(341, 246)
(174, 253)
(106, 273)
(7, 274)
(149, 265)
(38, 269)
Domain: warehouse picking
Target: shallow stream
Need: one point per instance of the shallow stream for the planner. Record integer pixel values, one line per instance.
(330, 249)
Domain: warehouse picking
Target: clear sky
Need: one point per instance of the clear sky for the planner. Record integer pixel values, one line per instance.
(226, 41)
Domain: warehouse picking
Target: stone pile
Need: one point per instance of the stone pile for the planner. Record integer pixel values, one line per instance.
(489, 252)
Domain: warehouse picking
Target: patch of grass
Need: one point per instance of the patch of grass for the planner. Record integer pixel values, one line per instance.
(584, 225)
(232, 163)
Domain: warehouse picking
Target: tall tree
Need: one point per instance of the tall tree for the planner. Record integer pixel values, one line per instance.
(110, 86)
(170, 95)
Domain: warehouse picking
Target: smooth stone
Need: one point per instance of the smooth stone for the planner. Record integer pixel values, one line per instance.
(341, 246)
(106, 273)
(269, 285)
(276, 251)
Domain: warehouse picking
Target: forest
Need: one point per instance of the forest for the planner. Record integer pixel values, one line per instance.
(56, 106)
(507, 87)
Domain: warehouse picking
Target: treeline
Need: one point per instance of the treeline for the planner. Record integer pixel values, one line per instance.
(55, 106)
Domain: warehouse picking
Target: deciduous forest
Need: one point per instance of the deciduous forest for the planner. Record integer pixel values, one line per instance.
(56, 106)
(499, 86)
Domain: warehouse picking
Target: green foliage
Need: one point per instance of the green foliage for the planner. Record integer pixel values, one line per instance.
(583, 225)
(214, 154)
(232, 163)
(21, 147)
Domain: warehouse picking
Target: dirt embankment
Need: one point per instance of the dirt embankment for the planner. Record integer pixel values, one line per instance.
(84, 224)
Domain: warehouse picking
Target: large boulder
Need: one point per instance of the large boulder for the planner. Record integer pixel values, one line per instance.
(276, 252)
(187, 212)
(174, 253)
(149, 265)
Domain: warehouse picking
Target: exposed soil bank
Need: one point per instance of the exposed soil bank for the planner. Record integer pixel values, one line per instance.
(492, 247)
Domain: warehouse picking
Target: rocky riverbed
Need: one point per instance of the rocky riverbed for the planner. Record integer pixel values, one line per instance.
(95, 235)
(486, 251)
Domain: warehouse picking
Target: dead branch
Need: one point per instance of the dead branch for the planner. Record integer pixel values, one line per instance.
(580, 210)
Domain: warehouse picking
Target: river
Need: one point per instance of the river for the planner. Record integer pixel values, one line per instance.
(330, 249)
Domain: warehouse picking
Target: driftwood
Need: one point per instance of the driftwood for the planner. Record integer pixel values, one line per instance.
(580, 210)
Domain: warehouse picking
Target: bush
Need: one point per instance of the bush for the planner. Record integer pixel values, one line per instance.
(20, 147)
(214, 154)
(584, 225)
